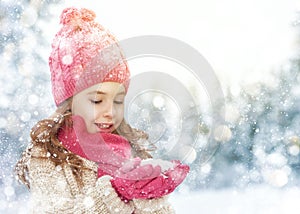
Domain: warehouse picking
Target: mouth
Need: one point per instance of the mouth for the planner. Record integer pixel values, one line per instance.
(105, 127)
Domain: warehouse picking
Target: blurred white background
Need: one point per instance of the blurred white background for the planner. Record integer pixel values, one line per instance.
(245, 41)
(242, 40)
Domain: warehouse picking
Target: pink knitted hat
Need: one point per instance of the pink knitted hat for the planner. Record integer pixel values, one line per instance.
(84, 54)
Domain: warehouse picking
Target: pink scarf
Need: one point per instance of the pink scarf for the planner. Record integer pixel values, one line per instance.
(110, 151)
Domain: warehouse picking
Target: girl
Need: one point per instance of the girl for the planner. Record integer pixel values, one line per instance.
(85, 158)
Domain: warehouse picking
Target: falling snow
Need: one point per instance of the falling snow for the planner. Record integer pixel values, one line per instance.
(256, 165)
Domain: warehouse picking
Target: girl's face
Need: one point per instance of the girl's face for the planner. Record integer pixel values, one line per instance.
(101, 106)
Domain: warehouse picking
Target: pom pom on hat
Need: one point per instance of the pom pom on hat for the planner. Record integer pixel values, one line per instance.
(83, 54)
(70, 14)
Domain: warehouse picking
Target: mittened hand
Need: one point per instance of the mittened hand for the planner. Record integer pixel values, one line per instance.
(132, 178)
(151, 186)
(167, 182)
(134, 170)
(174, 177)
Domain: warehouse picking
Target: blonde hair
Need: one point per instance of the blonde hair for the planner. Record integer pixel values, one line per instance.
(44, 134)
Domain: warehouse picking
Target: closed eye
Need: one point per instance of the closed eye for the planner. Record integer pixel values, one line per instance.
(118, 102)
(96, 101)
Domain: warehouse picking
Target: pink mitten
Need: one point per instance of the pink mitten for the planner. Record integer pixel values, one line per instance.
(133, 170)
(168, 181)
(151, 186)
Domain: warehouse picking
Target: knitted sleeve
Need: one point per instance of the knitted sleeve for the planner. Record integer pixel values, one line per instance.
(52, 192)
(153, 206)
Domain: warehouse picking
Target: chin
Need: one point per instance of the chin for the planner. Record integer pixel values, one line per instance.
(92, 130)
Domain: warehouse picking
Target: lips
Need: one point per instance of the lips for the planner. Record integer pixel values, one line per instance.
(105, 127)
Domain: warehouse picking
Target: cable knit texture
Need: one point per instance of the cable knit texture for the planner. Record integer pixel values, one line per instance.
(157, 206)
(55, 190)
(84, 53)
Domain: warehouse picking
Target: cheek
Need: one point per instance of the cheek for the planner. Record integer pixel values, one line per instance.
(81, 108)
(119, 112)
(75, 107)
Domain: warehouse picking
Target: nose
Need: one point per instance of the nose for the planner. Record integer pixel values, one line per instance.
(108, 110)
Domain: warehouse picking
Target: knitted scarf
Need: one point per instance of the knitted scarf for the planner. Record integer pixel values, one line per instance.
(110, 151)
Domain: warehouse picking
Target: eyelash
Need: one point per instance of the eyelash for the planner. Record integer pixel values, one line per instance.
(100, 101)
(118, 102)
(96, 101)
